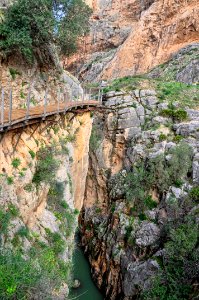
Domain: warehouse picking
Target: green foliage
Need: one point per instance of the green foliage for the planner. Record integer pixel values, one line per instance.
(61, 209)
(124, 83)
(23, 232)
(6, 216)
(46, 167)
(149, 202)
(178, 183)
(21, 174)
(57, 243)
(162, 137)
(22, 95)
(60, 22)
(13, 210)
(170, 91)
(28, 187)
(32, 154)
(21, 278)
(16, 163)
(174, 280)
(194, 193)
(177, 138)
(181, 161)
(10, 180)
(14, 73)
(176, 115)
(182, 241)
(157, 173)
(187, 95)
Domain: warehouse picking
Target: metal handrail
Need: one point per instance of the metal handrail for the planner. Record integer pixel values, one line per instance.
(62, 102)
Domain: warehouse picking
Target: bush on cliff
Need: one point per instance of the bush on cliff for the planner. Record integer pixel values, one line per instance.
(179, 267)
(157, 173)
(30, 28)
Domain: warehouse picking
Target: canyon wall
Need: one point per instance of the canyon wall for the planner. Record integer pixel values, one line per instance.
(42, 178)
(131, 37)
(143, 169)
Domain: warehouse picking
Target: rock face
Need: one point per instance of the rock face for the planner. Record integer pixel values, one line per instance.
(23, 79)
(131, 37)
(121, 238)
(58, 147)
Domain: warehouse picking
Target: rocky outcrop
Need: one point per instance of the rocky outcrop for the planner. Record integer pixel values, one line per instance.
(122, 225)
(144, 34)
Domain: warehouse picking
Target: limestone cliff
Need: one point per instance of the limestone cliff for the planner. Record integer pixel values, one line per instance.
(144, 167)
(131, 37)
(43, 173)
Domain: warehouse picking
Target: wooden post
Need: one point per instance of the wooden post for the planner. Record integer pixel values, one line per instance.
(45, 103)
(99, 94)
(83, 96)
(78, 94)
(58, 103)
(10, 108)
(2, 108)
(72, 92)
(65, 101)
(89, 95)
(28, 104)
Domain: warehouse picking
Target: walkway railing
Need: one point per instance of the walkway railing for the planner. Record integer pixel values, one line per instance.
(61, 103)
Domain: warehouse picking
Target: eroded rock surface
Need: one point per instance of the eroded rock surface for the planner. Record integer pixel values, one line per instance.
(121, 238)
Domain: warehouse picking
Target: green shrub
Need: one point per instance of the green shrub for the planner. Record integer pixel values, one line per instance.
(32, 154)
(6, 216)
(23, 278)
(180, 115)
(157, 173)
(10, 180)
(60, 22)
(162, 137)
(177, 138)
(194, 193)
(142, 217)
(13, 73)
(174, 280)
(178, 183)
(16, 163)
(150, 203)
(13, 210)
(176, 115)
(21, 174)
(28, 187)
(23, 232)
(167, 113)
(46, 167)
(57, 243)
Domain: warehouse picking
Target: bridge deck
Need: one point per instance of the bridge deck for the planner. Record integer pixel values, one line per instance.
(39, 112)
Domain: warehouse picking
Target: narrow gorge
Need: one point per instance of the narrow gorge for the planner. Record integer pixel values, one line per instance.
(99, 202)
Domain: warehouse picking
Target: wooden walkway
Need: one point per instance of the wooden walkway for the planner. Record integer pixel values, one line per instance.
(14, 118)
(18, 117)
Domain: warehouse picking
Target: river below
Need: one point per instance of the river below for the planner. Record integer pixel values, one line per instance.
(81, 272)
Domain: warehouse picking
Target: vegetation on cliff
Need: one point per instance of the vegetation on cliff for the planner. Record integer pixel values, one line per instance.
(30, 28)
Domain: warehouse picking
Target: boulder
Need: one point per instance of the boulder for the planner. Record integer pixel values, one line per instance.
(148, 234)
(138, 275)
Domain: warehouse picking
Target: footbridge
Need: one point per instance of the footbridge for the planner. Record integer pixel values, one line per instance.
(13, 117)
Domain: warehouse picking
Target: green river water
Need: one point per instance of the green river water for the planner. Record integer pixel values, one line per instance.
(81, 271)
